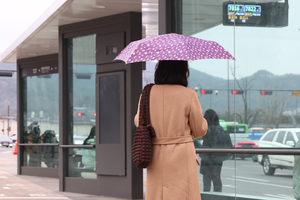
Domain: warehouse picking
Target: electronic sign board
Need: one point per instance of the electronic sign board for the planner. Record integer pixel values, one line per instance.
(272, 14)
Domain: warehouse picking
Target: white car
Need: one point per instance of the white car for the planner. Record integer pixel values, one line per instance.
(278, 138)
(6, 141)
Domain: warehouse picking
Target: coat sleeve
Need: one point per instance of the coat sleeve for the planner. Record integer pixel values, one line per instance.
(197, 122)
(136, 117)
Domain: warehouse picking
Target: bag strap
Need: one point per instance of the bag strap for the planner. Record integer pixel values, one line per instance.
(144, 114)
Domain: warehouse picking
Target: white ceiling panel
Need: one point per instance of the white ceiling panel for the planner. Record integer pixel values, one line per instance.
(42, 37)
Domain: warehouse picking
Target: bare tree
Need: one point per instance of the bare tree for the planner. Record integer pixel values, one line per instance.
(253, 117)
(245, 84)
(240, 117)
(272, 110)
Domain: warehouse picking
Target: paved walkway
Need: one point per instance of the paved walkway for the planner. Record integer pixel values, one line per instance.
(19, 187)
(37, 188)
(15, 187)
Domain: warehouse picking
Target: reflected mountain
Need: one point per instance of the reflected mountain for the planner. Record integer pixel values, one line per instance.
(261, 80)
(8, 91)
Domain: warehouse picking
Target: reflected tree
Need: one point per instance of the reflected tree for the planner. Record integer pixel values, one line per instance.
(253, 117)
(245, 83)
(272, 110)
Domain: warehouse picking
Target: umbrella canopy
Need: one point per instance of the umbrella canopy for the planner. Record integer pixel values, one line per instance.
(172, 47)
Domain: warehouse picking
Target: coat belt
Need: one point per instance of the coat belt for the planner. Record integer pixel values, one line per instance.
(173, 140)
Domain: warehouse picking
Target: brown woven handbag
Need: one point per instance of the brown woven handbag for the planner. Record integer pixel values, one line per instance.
(142, 144)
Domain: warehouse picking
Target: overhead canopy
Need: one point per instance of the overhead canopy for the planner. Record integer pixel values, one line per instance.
(41, 38)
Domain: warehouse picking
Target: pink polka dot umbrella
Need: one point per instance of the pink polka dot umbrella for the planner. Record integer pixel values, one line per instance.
(172, 47)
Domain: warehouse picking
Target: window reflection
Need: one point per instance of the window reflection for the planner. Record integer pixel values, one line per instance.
(81, 162)
(81, 104)
(258, 91)
(41, 116)
(81, 86)
(219, 178)
(41, 156)
(240, 175)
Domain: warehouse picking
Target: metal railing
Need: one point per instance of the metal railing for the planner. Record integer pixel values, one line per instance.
(269, 151)
(56, 144)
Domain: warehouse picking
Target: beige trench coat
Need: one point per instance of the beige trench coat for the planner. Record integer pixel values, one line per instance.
(176, 116)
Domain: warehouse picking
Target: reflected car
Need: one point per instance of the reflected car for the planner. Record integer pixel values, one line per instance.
(244, 143)
(79, 139)
(278, 138)
(6, 141)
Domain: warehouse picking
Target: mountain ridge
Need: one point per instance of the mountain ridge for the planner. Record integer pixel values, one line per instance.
(260, 80)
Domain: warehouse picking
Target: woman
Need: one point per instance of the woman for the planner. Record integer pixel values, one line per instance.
(92, 135)
(88, 154)
(211, 164)
(176, 116)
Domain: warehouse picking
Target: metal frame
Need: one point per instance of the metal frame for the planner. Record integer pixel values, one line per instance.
(40, 171)
(25, 64)
(80, 185)
(8, 70)
(164, 16)
(252, 151)
(38, 144)
(131, 185)
(77, 146)
(63, 153)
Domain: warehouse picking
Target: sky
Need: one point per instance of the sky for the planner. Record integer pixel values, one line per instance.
(272, 49)
(16, 16)
(256, 48)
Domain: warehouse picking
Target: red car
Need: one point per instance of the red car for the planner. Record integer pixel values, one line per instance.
(244, 143)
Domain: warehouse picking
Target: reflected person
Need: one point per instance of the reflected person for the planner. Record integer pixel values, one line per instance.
(88, 154)
(211, 164)
(34, 152)
(50, 152)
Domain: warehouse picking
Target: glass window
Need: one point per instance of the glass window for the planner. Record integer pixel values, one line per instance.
(81, 85)
(280, 136)
(269, 136)
(41, 118)
(81, 119)
(289, 137)
(223, 166)
(82, 162)
(238, 175)
(236, 129)
(255, 89)
(298, 135)
(40, 156)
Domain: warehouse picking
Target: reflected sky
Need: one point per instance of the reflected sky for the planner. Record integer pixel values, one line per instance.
(273, 49)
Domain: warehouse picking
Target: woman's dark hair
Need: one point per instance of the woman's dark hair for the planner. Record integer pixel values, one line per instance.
(172, 72)
(211, 117)
(91, 135)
